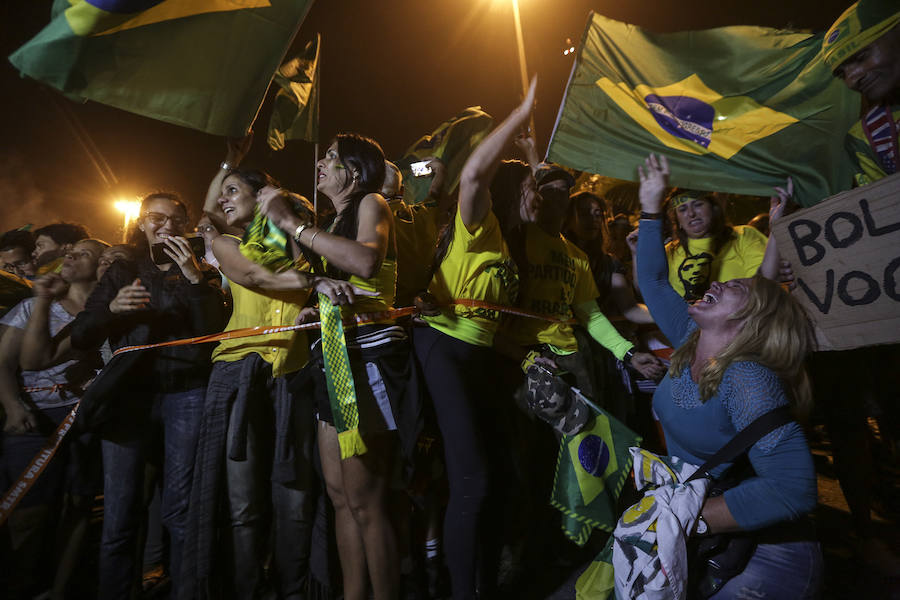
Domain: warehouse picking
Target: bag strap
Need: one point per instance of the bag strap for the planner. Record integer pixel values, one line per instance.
(762, 425)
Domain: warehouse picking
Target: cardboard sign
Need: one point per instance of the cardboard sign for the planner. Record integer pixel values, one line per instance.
(845, 253)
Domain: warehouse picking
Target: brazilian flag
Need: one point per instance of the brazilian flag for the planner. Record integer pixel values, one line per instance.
(453, 141)
(295, 115)
(591, 470)
(735, 109)
(204, 64)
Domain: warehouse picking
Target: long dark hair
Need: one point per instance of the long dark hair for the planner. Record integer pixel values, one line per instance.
(136, 237)
(363, 159)
(719, 229)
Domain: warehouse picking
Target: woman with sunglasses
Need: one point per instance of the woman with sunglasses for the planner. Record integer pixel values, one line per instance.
(147, 405)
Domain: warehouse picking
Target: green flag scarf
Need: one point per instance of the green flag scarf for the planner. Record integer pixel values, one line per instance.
(203, 64)
(453, 141)
(735, 109)
(591, 470)
(339, 379)
(295, 115)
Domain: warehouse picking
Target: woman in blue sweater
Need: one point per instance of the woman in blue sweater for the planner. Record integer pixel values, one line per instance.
(740, 353)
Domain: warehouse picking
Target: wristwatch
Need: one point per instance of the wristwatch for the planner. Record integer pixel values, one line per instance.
(702, 527)
(629, 354)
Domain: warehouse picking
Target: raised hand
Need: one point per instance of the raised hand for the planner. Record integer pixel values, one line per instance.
(779, 201)
(654, 178)
(130, 298)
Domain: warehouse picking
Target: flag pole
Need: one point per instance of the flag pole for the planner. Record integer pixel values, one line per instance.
(318, 83)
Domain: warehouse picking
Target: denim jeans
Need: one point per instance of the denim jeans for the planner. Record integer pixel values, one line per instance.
(785, 571)
(173, 418)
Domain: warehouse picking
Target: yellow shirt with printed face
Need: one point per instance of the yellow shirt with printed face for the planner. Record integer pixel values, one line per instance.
(286, 352)
(692, 272)
(559, 277)
(477, 266)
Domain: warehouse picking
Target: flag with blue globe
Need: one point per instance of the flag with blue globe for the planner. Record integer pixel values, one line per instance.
(591, 470)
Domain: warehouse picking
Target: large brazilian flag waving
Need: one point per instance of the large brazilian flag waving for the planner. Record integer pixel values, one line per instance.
(735, 109)
(204, 64)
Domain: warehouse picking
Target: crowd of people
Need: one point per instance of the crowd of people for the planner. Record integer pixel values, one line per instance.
(392, 451)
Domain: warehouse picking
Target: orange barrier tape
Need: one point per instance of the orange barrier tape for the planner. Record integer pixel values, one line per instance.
(362, 319)
(39, 462)
(37, 465)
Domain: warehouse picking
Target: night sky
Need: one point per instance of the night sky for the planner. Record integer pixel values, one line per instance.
(391, 69)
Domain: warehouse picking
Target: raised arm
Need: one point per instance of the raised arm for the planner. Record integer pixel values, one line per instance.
(237, 148)
(771, 263)
(479, 170)
(668, 309)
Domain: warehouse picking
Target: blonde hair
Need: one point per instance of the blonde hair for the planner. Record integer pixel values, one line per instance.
(776, 333)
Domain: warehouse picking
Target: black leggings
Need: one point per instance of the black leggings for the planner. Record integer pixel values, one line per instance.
(459, 379)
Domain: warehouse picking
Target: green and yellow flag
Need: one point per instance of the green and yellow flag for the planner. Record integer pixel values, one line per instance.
(453, 141)
(735, 109)
(295, 115)
(203, 64)
(591, 470)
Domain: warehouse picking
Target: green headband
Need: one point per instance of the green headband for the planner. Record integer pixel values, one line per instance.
(859, 26)
(685, 196)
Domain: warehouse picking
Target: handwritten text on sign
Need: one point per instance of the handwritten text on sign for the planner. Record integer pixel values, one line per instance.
(845, 253)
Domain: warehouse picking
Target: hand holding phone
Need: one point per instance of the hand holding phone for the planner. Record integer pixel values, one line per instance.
(421, 168)
(159, 256)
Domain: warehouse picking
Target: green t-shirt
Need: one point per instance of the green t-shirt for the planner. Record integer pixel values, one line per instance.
(477, 266)
(692, 272)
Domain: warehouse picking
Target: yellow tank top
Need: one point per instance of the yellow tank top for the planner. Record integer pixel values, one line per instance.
(286, 352)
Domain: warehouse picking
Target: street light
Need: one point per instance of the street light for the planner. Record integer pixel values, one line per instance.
(131, 210)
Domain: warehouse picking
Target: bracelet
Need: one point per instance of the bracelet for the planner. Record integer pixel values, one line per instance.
(313, 238)
(299, 230)
(649, 215)
(225, 166)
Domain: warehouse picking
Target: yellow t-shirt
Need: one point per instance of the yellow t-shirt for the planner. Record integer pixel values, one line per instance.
(559, 277)
(691, 273)
(417, 234)
(286, 352)
(477, 266)
(383, 282)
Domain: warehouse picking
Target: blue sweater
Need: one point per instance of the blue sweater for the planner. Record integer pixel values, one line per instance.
(784, 487)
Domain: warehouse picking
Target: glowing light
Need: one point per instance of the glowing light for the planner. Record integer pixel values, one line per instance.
(130, 209)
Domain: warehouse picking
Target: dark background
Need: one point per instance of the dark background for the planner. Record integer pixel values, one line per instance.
(391, 69)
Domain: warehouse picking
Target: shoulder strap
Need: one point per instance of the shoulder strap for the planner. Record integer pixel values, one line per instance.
(763, 425)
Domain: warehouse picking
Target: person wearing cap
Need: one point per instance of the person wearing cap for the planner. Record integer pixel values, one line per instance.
(556, 281)
(863, 48)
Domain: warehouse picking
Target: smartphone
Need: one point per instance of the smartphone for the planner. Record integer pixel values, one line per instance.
(420, 169)
(160, 257)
